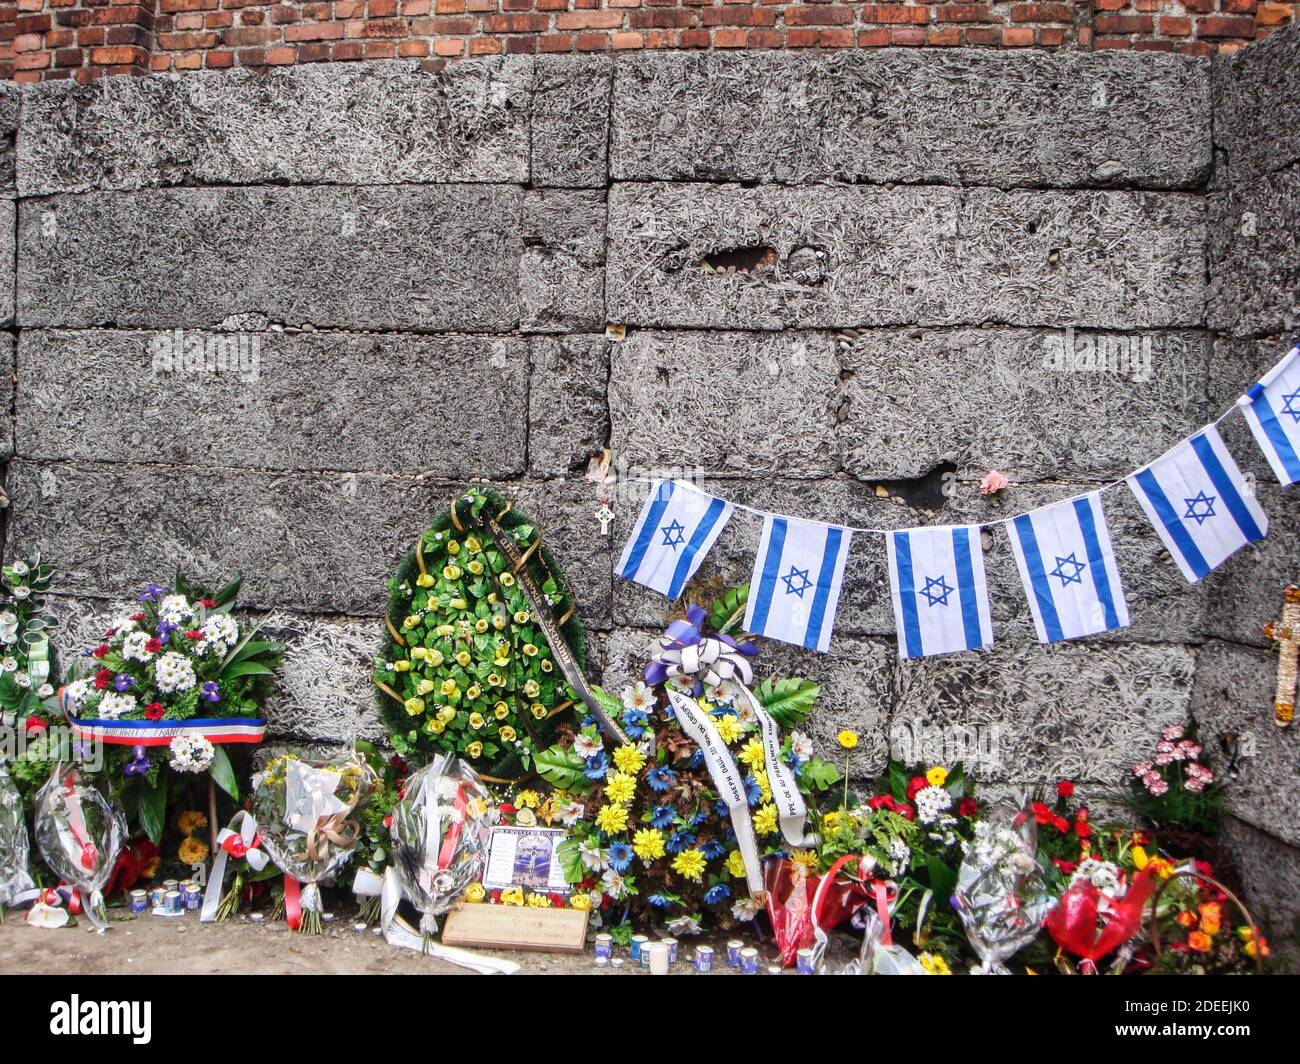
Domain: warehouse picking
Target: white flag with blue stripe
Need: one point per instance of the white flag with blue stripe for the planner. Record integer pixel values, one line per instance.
(1068, 568)
(940, 602)
(1272, 409)
(676, 528)
(1199, 503)
(796, 584)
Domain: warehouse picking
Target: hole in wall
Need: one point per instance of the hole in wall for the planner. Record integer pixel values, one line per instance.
(740, 260)
(925, 492)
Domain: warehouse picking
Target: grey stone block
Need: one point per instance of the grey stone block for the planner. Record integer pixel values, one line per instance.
(730, 402)
(561, 275)
(10, 102)
(1233, 700)
(428, 257)
(311, 401)
(8, 263)
(864, 606)
(854, 677)
(341, 123)
(1035, 404)
(570, 121)
(952, 117)
(909, 255)
(1245, 593)
(1254, 256)
(1084, 712)
(6, 395)
(1271, 871)
(568, 413)
(316, 543)
(1257, 107)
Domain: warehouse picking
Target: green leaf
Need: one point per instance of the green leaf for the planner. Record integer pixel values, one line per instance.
(246, 668)
(563, 768)
(898, 780)
(223, 773)
(153, 809)
(943, 880)
(571, 860)
(820, 774)
(725, 614)
(955, 784)
(788, 700)
(226, 596)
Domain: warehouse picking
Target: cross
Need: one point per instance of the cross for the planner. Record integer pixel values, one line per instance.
(1286, 634)
(604, 515)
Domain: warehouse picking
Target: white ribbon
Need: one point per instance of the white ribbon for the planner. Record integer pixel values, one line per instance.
(726, 778)
(397, 932)
(713, 662)
(247, 832)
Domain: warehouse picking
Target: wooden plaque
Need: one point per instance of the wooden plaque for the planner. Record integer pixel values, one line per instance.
(517, 927)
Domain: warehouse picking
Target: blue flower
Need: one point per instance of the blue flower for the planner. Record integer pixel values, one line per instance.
(211, 691)
(716, 895)
(712, 850)
(139, 763)
(588, 721)
(697, 818)
(597, 766)
(720, 809)
(662, 901)
(663, 816)
(634, 722)
(620, 856)
(660, 778)
(680, 840)
(123, 682)
(697, 760)
(753, 792)
(152, 592)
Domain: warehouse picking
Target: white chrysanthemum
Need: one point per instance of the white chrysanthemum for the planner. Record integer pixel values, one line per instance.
(1101, 874)
(175, 608)
(174, 672)
(800, 745)
(134, 647)
(191, 753)
(900, 857)
(114, 705)
(76, 691)
(744, 910)
(931, 803)
(638, 696)
(220, 633)
(122, 626)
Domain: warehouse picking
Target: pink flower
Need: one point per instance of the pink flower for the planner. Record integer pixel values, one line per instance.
(1172, 732)
(1164, 757)
(993, 482)
(1188, 750)
(1156, 786)
(1142, 768)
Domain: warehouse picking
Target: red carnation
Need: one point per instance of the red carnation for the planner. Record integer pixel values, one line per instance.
(1062, 825)
(34, 725)
(154, 711)
(1081, 813)
(102, 679)
(137, 617)
(1083, 829)
(99, 651)
(915, 786)
(1041, 813)
(110, 633)
(905, 811)
(207, 603)
(1066, 867)
(1065, 789)
(154, 645)
(881, 801)
(194, 635)
(967, 807)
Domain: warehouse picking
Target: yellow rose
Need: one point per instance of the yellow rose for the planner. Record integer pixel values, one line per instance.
(474, 749)
(435, 658)
(546, 665)
(507, 734)
(451, 572)
(424, 580)
(436, 727)
(446, 630)
(415, 706)
(458, 604)
(937, 777)
(848, 739)
(521, 617)
(501, 711)
(475, 567)
(463, 659)
(495, 680)
(507, 580)
(450, 688)
(453, 548)
(425, 686)
(476, 721)
(538, 710)
(402, 666)
(410, 621)
(531, 689)
(419, 653)
(475, 893)
(447, 714)
(538, 901)
(580, 901)
(472, 544)
(481, 625)
(530, 649)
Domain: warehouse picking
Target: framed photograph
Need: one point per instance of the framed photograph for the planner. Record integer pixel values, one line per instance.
(525, 857)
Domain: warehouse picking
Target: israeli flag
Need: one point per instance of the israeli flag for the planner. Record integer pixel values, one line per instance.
(1272, 409)
(676, 528)
(796, 583)
(1199, 503)
(940, 602)
(1068, 568)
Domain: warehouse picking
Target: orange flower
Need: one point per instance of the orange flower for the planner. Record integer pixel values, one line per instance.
(1186, 918)
(1211, 918)
(1199, 941)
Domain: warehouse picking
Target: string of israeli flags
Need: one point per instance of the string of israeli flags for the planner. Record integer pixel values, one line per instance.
(936, 573)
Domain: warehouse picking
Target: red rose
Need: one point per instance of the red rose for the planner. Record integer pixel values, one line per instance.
(1081, 813)
(557, 900)
(905, 811)
(1062, 825)
(1083, 829)
(102, 679)
(1065, 789)
(915, 786)
(154, 711)
(880, 801)
(967, 807)
(507, 808)
(99, 651)
(154, 645)
(388, 821)
(34, 725)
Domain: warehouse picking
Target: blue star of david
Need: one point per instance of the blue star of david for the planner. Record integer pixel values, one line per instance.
(673, 536)
(936, 592)
(1289, 405)
(1074, 566)
(796, 581)
(1201, 508)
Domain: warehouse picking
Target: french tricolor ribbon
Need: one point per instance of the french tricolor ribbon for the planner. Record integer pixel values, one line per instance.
(239, 841)
(217, 730)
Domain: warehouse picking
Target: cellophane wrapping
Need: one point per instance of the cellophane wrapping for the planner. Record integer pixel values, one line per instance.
(15, 848)
(80, 834)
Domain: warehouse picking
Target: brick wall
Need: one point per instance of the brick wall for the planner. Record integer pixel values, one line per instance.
(51, 39)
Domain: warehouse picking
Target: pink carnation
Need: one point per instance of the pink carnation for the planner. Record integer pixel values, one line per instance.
(1164, 757)
(1188, 750)
(1172, 732)
(993, 482)
(1142, 768)
(1156, 785)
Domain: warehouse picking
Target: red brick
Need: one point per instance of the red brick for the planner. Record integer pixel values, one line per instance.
(873, 38)
(117, 56)
(1175, 26)
(556, 42)
(1226, 26)
(693, 39)
(593, 42)
(448, 46)
(1042, 13)
(516, 23)
(835, 37)
(909, 37)
(944, 37)
(319, 31)
(589, 20)
(895, 15)
(219, 60)
(281, 56)
(413, 49)
(385, 27)
(1017, 36)
(485, 46)
(1123, 23)
(821, 16)
(1273, 14)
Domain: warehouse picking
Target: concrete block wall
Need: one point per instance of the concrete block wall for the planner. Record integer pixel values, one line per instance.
(425, 264)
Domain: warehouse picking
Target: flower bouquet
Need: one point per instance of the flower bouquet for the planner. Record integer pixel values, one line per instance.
(1099, 912)
(714, 777)
(481, 629)
(27, 667)
(80, 836)
(1175, 788)
(306, 814)
(16, 885)
(173, 683)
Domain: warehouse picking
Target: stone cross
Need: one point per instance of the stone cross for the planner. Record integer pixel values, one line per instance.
(604, 515)
(1286, 634)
